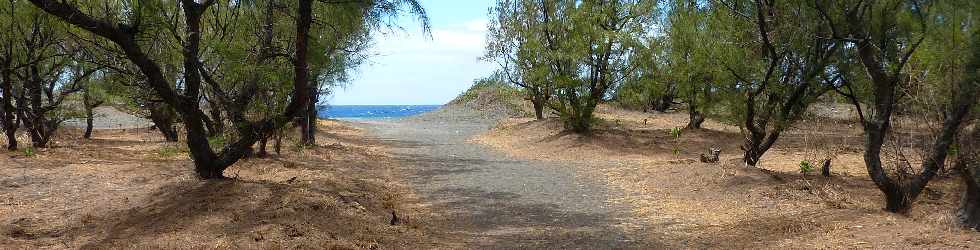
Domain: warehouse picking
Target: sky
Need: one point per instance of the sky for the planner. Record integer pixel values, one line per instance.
(409, 68)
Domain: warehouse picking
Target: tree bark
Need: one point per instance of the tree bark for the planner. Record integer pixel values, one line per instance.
(278, 145)
(7, 111)
(90, 106)
(696, 119)
(163, 119)
(262, 145)
(538, 102)
(89, 120)
(308, 127)
(218, 124)
(825, 169)
(899, 194)
(968, 163)
(969, 212)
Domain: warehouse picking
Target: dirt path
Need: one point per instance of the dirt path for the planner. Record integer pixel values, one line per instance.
(489, 200)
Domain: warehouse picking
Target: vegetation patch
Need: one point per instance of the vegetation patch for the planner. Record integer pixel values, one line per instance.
(495, 97)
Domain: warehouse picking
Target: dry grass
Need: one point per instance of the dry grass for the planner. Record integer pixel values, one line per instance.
(128, 189)
(686, 203)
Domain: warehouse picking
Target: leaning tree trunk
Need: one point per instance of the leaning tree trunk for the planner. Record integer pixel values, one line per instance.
(758, 139)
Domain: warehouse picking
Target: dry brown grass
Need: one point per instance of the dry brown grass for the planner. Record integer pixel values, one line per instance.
(686, 203)
(127, 189)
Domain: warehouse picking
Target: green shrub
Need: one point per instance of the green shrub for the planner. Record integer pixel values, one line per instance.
(806, 167)
(675, 132)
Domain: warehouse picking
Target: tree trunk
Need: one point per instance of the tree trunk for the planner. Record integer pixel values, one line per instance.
(208, 164)
(278, 144)
(825, 169)
(262, 145)
(969, 164)
(90, 106)
(218, 124)
(163, 119)
(7, 113)
(538, 104)
(89, 119)
(696, 119)
(969, 212)
(32, 111)
(308, 127)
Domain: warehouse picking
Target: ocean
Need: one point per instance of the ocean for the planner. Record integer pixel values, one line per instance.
(372, 111)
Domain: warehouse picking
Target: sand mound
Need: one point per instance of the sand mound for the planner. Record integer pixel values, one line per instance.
(494, 99)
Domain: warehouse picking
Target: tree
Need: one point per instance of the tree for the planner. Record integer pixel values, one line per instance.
(93, 96)
(589, 57)
(648, 86)
(8, 119)
(47, 72)
(208, 163)
(689, 49)
(515, 42)
(790, 54)
(885, 35)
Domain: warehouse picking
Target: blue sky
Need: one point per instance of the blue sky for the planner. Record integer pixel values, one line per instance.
(409, 68)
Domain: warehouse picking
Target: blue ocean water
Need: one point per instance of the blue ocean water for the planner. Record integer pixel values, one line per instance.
(372, 111)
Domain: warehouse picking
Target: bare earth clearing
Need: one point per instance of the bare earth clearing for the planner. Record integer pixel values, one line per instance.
(687, 203)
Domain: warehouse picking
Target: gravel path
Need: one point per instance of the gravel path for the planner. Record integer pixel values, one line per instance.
(492, 201)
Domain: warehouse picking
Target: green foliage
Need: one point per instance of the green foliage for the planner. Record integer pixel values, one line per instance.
(493, 94)
(569, 53)
(675, 132)
(29, 151)
(488, 85)
(806, 167)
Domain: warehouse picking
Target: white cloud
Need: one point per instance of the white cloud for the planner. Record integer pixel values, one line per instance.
(413, 69)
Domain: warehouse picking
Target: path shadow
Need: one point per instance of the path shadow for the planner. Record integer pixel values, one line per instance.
(505, 220)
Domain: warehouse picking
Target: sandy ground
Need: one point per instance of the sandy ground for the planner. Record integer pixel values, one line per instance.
(459, 179)
(127, 189)
(488, 200)
(687, 204)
